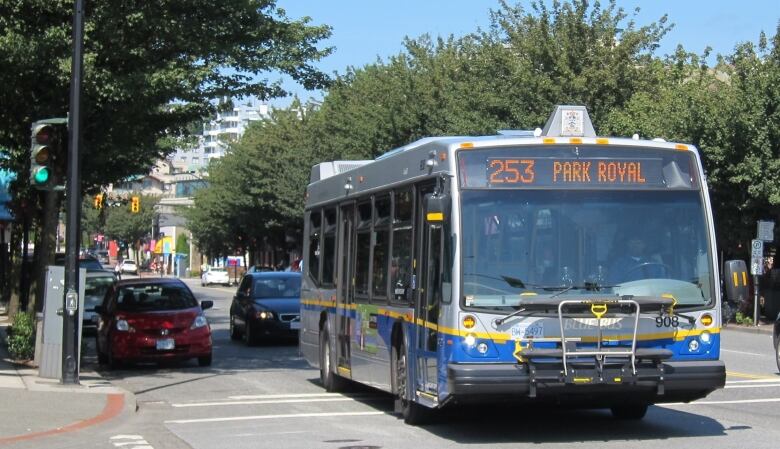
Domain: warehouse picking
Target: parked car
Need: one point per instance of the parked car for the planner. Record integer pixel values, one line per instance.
(152, 319)
(266, 304)
(215, 275)
(88, 262)
(128, 266)
(96, 285)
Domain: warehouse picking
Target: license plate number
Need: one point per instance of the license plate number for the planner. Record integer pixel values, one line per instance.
(166, 344)
(295, 324)
(525, 330)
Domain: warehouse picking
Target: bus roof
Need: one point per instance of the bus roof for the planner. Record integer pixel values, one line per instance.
(429, 156)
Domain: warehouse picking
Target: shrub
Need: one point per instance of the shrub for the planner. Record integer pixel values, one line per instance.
(744, 319)
(21, 337)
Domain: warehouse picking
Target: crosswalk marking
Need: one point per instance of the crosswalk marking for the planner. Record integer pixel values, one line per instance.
(271, 401)
(134, 442)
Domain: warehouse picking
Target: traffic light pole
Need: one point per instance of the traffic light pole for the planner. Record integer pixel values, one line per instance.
(70, 328)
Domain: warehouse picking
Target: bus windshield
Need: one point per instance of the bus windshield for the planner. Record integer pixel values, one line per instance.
(526, 243)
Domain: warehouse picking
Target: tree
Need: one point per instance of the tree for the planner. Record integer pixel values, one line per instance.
(150, 70)
(124, 225)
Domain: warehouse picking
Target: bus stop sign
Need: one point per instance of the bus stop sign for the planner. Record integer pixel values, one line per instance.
(756, 257)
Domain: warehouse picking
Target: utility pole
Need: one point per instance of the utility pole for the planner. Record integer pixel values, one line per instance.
(70, 328)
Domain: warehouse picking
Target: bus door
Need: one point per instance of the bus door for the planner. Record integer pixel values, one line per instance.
(345, 296)
(428, 299)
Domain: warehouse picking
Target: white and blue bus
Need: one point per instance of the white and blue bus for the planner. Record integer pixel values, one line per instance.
(548, 265)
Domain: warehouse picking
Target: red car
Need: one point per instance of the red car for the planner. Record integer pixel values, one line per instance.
(152, 319)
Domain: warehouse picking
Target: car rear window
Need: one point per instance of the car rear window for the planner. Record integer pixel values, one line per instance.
(280, 287)
(154, 297)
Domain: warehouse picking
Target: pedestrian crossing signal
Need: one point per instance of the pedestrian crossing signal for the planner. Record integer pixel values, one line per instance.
(135, 205)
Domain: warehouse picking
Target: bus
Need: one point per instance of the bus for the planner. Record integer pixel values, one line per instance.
(550, 265)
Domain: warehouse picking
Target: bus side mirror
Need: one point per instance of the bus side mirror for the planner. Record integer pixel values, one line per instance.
(437, 207)
(736, 281)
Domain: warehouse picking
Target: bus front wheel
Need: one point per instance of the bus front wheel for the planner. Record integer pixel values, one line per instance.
(331, 381)
(412, 412)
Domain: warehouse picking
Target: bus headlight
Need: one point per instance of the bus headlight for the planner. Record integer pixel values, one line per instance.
(693, 345)
(705, 337)
(470, 339)
(482, 348)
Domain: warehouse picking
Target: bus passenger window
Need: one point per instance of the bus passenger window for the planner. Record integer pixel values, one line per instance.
(363, 250)
(381, 246)
(315, 220)
(401, 263)
(329, 247)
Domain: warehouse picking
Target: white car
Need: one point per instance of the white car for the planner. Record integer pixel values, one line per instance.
(128, 266)
(215, 275)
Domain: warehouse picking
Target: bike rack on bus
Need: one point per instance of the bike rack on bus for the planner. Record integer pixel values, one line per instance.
(568, 351)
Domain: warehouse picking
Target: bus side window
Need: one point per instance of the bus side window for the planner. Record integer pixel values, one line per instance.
(329, 247)
(401, 263)
(315, 234)
(363, 251)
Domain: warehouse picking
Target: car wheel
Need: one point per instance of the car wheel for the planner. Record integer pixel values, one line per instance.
(249, 337)
(205, 360)
(234, 334)
(629, 412)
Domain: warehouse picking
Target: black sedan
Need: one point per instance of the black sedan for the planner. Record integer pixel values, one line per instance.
(267, 304)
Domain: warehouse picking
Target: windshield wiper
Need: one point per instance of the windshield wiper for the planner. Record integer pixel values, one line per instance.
(589, 286)
(502, 320)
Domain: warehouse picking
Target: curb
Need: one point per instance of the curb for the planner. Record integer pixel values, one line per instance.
(115, 404)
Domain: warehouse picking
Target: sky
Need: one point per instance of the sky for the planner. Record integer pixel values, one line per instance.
(366, 29)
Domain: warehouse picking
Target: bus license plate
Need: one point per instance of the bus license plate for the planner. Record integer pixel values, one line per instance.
(527, 330)
(166, 344)
(295, 324)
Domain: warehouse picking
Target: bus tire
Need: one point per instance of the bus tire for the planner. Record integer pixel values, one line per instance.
(629, 412)
(413, 413)
(330, 380)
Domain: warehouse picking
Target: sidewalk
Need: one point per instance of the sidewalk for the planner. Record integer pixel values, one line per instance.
(35, 408)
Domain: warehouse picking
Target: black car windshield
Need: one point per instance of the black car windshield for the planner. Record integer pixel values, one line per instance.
(154, 297)
(520, 244)
(277, 287)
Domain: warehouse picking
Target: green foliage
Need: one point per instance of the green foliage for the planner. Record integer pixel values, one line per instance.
(182, 244)
(21, 337)
(150, 70)
(122, 224)
(743, 319)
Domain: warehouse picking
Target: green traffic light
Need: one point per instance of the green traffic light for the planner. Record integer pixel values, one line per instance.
(41, 175)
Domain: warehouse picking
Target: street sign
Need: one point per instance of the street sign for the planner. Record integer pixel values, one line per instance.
(766, 231)
(756, 248)
(756, 266)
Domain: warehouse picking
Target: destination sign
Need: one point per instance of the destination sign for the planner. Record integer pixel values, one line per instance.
(509, 171)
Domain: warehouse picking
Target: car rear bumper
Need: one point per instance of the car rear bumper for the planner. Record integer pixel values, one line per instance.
(679, 381)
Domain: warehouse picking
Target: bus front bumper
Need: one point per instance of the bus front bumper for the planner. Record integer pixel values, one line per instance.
(675, 382)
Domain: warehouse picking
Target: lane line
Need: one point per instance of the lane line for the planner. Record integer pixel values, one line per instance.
(753, 381)
(275, 401)
(260, 417)
(753, 386)
(286, 396)
(749, 376)
(745, 352)
(737, 401)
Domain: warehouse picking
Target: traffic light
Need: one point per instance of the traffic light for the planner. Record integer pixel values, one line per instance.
(99, 201)
(47, 154)
(135, 205)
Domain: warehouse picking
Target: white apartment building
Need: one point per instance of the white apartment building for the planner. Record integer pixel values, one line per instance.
(218, 132)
